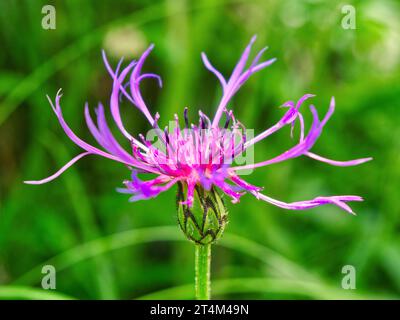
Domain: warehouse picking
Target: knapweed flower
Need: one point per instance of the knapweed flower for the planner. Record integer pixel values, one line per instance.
(198, 157)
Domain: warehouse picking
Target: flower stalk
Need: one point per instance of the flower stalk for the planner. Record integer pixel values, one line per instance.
(202, 271)
(203, 223)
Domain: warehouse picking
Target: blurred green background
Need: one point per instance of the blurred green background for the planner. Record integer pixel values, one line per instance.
(102, 246)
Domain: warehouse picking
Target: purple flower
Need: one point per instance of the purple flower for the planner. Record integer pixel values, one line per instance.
(199, 154)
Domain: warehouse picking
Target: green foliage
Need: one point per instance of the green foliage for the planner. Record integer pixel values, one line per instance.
(102, 246)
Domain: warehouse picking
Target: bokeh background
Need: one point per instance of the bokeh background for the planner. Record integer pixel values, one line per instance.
(102, 246)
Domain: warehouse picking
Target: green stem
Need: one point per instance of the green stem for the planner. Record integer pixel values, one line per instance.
(202, 271)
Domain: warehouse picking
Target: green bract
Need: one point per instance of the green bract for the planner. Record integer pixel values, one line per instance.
(205, 221)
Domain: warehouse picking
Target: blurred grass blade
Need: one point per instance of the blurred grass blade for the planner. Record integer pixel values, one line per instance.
(262, 285)
(103, 245)
(28, 293)
(296, 277)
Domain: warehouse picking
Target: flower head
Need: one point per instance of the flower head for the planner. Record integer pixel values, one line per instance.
(196, 155)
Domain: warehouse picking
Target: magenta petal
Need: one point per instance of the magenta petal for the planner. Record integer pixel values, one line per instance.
(142, 190)
(105, 138)
(76, 139)
(304, 98)
(242, 62)
(347, 163)
(190, 194)
(297, 150)
(150, 75)
(237, 78)
(110, 143)
(92, 127)
(289, 117)
(59, 172)
(114, 104)
(246, 75)
(134, 85)
(319, 201)
(211, 68)
(244, 184)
